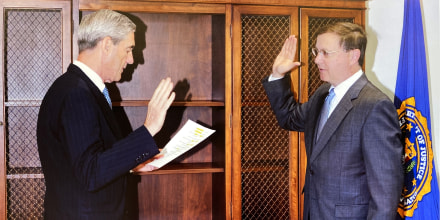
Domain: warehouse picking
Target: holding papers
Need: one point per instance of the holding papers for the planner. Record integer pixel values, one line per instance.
(188, 136)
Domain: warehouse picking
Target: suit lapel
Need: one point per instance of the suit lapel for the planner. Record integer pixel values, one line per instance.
(337, 116)
(102, 102)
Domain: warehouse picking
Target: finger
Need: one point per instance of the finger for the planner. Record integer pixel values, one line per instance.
(170, 100)
(285, 47)
(159, 89)
(146, 168)
(158, 156)
(163, 86)
(291, 47)
(162, 93)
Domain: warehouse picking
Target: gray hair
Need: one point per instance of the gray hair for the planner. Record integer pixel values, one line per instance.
(103, 23)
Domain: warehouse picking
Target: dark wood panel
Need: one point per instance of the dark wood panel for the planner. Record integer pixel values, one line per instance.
(131, 118)
(183, 196)
(170, 45)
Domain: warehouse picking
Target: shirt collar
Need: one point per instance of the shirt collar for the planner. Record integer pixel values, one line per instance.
(343, 87)
(96, 79)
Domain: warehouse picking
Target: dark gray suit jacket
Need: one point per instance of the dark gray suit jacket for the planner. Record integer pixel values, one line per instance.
(84, 157)
(354, 169)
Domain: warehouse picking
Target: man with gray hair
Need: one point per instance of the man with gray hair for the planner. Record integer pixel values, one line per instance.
(85, 158)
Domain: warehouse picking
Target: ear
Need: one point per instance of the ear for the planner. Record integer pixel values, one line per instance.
(106, 45)
(355, 54)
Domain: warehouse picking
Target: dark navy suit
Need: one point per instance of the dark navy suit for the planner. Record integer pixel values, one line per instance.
(84, 157)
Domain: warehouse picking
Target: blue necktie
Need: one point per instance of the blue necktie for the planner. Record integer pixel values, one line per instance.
(325, 111)
(107, 96)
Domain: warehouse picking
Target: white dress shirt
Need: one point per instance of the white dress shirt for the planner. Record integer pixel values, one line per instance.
(342, 88)
(96, 79)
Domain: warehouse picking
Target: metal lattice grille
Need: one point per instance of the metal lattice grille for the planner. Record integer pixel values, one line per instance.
(32, 61)
(262, 39)
(314, 24)
(25, 198)
(265, 147)
(21, 138)
(265, 165)
(33, 52)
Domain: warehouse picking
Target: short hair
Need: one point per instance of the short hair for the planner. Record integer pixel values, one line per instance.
(103, 23)
(352, 35)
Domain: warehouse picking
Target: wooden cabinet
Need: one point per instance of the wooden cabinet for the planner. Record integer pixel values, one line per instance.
(190, 48)
(216, 52)
(35, 44)
(265, 173)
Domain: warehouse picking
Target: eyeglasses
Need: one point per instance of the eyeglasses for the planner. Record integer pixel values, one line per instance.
(325, 53)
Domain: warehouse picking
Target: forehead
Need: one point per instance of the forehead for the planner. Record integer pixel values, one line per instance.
(328, 41)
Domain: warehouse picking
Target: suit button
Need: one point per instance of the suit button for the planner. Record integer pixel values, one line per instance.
(311, 172)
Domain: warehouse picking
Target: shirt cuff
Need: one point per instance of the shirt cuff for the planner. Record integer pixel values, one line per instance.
(271, 78)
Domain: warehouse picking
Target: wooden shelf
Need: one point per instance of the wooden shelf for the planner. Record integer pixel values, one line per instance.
(175, 103)
(185, 168)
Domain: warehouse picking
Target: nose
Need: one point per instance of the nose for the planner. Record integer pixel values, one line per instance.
(130, 59)
(318, 58)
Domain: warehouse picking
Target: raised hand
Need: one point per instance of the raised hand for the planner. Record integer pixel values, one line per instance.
(285, 59)
(158, 106)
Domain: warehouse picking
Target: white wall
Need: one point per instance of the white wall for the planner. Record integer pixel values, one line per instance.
(384, 22)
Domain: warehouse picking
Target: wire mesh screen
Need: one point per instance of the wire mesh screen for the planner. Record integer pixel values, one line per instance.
(314, 24)
(265, 146)
(32, 61)
(33, 52)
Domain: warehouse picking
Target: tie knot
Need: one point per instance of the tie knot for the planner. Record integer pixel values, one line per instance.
(331, 94)
(329, 98)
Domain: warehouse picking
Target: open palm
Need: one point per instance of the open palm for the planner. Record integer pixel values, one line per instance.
(284, 61)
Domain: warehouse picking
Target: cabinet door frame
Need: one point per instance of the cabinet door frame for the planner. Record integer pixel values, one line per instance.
(66, 9)
(358, 16)
(294, 190)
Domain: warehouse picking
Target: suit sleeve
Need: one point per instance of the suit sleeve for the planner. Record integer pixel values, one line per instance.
(289, 113)
(95, 155)
(382, 150)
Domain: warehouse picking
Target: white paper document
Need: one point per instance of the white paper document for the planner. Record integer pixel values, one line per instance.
(186, 138)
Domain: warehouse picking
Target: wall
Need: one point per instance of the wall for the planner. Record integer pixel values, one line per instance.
(384, 22)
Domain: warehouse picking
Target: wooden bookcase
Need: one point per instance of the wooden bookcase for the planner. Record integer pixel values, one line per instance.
(216, 52)
(189, 48)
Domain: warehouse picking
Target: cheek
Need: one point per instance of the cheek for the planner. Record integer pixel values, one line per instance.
(123, 59)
